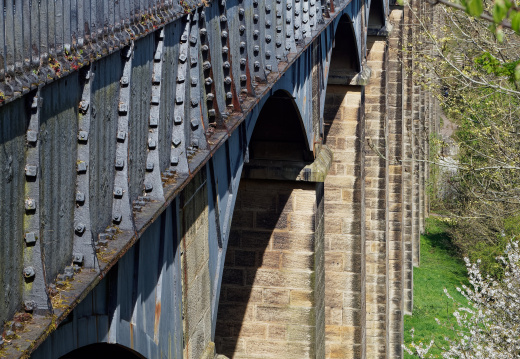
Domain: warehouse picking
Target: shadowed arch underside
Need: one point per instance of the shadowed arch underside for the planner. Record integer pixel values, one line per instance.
(103, 351)
(344, 64)
(271, 301)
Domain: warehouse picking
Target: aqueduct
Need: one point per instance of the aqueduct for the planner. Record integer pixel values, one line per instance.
(243, 178)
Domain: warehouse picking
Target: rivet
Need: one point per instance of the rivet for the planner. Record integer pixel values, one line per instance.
(30, 238)
(268, 9)
(82, 167)
(257, 64)
(229, 95)
(268, 54)
(224, 34)
(241, 11)
(255, 33)
(203, 31)
(242, 28)
(243, 78)
(206, 65)
(226, 65)
(204, 48)
(212, 113)
(210, 97)
(256, 17)
(268, 38)
(227, 80)
(225, 49)
(79, 228)
(256, 48)
(268, 23)
(223, 18)
(269, 67)
(242, 45)
(118, 192)
(243, 61)
(208, 81)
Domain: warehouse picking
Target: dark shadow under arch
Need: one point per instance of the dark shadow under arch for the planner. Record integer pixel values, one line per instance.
(278, 141)
(344, 63)
(279, 133)
(103, 351)
(376, 16)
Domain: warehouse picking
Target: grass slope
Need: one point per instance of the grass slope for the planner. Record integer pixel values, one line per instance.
(440, 268)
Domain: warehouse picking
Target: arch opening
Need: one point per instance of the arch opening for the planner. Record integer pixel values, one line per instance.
(279, 133)
(376, 16)
(344, 63)
(267, 304)
(103, 351)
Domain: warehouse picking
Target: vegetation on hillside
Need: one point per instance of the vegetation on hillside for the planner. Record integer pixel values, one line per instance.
(440, 268)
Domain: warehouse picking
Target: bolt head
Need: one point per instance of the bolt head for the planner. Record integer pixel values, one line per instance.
(121, 136)
(116, 218)
(30, 238)
(30, 204)
(82, 167)
(118, 192)
(79, 228)
(31, 171)
(28, 272)
(77, 258)
(80, 197)
(83, 136)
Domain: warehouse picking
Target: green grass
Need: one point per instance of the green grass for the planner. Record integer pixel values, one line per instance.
(440, 267)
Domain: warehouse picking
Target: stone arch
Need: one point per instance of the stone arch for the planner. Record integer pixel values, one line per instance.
(103, 351)
(269, 304)
(345, 63)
